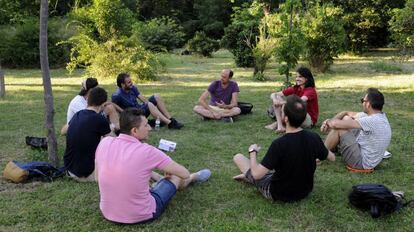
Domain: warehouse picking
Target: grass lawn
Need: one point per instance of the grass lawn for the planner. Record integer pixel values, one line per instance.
(221, 204)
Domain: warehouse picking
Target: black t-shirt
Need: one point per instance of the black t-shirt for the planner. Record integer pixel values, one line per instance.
(84, 134)
(292, 156)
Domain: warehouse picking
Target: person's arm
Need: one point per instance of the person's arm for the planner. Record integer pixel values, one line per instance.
(142, 98)
(176, 169)
(232, 104)
(257, 170)
(342, 124)
(202, 99)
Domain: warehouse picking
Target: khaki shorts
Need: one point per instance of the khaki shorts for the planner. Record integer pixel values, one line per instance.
(350, 149)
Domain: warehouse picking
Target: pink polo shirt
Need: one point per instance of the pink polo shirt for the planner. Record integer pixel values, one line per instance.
(124, 167)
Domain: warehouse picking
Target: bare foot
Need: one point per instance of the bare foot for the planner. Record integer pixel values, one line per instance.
(240, 177)
(272, 126)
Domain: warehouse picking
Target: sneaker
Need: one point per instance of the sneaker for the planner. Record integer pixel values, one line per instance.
(203, 175)
(174, 124)
(387, 155)
(227, 119)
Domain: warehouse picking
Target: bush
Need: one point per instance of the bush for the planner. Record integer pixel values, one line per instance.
(160, 34)
(242, 31)
(20, 43)
(105, 60)
(402, 30)
(324, 36)
(203, 45)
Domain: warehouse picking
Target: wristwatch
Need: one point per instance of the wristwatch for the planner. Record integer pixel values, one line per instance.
(252, 150)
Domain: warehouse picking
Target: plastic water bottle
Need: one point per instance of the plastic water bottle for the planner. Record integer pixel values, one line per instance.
(157, 124)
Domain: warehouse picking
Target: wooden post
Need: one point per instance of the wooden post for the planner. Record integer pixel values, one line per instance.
(47, 84)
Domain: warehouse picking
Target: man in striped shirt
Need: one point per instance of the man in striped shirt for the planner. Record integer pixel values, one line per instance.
(361, 139)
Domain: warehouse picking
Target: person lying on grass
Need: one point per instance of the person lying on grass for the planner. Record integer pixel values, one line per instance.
(223, 102)
(361, 139)
(126, 96)
(286, 171)
(306, 90)
(124, 167)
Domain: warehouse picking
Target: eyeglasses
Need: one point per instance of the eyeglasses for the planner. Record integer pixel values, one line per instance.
(363, 100)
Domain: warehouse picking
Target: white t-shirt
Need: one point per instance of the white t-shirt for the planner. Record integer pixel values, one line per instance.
(374, 138)
(78, 103)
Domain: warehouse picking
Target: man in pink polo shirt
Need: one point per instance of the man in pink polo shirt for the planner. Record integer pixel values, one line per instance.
(124, 166)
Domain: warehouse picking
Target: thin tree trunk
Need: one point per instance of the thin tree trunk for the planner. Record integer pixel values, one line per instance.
(47, 85)
(2, 84)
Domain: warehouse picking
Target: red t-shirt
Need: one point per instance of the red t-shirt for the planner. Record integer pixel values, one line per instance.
(312, 103)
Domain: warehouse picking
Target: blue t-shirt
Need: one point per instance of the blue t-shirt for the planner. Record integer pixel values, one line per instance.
(127, 99)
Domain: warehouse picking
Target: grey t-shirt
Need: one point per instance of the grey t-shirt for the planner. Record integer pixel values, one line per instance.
(374, 138)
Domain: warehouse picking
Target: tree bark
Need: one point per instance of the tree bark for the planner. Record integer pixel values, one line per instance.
(2, 84)
(47, 85)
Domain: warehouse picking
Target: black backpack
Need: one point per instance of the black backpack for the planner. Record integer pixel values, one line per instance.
(377, 198)
(245, 107)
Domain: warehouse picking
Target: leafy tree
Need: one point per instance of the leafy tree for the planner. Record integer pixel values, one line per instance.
(202, 44)
(213, 16)
(242, 31)
(160, 34)
(402, 29)
(324, 35)
(284, 27)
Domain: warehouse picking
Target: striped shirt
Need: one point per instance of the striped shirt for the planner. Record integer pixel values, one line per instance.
(373, 139)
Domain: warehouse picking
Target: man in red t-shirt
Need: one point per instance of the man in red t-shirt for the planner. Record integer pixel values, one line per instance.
(305, 89)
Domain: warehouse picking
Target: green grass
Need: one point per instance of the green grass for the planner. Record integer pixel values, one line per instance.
(221, 204)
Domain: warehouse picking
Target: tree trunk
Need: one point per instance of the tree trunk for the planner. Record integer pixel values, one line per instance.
(47, 85)
(2, 84)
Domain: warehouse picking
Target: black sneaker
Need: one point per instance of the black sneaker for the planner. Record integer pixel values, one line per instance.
(174, 124)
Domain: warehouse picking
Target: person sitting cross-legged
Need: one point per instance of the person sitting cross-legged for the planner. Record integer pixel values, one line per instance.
(286, 171)
(361, 139)
(84, 133)
(124, 167)
(127, 94)
(223, 102)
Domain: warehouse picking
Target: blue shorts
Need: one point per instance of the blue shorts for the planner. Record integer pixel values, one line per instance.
(162, 193)
(144, 107)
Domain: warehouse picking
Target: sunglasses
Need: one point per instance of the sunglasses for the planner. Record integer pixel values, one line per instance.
(363, 100)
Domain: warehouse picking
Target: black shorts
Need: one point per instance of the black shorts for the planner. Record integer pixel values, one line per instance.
(263, 185)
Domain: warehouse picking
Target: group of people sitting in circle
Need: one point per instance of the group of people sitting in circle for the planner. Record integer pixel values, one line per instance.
(123, 164)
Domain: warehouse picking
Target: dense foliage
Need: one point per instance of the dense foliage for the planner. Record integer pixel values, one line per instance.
(241, 33)
(160, 34)
(324, 36)
(402, 29)
(19, 46)
(202, 45)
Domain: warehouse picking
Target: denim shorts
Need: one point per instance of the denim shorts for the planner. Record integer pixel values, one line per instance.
(162, 192)
(144, 107)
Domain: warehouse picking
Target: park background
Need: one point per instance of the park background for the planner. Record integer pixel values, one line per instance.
(177, 48)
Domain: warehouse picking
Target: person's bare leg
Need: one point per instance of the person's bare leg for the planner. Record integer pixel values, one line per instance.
(205, 113)
(231, 112)
(272, 126)
(243, 163)
(113, 115)
(156, 177)
(161, 106)
(156, 113)
(278, 114)
(181, 184)
(333, 138)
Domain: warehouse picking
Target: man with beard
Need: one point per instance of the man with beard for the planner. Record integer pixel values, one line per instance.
(126, 97)
(362, 140)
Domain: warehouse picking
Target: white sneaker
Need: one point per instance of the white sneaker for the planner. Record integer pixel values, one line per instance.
(387, 155)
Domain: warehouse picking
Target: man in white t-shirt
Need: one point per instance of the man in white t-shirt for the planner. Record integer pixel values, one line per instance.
(79, 102)
(362, 141)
